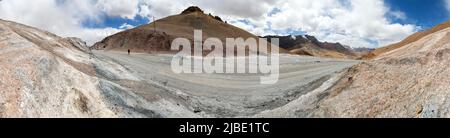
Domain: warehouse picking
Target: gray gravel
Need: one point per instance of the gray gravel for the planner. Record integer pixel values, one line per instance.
(229, 95)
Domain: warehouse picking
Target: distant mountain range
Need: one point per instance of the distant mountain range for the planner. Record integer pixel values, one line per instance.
(157, 36)
(310, 45)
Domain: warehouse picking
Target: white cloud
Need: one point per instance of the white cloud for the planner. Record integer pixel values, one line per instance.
(121, 8)
(63, 17)
(356, 23)
(255, 30)
(161, 8)
(126, 26)
(238, 8)
(447, 5)
(92, 35)
(398, 15)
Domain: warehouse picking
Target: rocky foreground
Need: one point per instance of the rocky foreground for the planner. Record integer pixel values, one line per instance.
(411, 81)
(43, 75)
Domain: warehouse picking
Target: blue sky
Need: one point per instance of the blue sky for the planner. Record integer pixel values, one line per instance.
(424, 13)
(357, 23)
(421, 13)
(116, 22)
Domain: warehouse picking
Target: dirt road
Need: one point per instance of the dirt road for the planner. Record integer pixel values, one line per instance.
(229, 95)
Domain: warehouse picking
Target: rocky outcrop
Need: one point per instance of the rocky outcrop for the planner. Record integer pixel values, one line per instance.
(78, 43)
(192, 9)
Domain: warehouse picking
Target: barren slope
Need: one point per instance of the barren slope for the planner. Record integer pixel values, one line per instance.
(157, 36)
(43, 75)
(413, 38)
(410, 81)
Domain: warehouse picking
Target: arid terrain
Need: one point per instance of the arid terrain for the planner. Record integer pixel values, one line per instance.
(410, 81)
(414, 37)
(230, 95)
(44, 75)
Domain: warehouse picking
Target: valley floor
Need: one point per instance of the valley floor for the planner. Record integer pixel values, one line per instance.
(301, 86)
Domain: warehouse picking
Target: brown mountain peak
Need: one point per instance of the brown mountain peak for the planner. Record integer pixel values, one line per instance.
(192, 9)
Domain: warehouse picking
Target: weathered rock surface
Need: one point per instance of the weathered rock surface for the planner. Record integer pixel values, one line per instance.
(78, 43)
(43, 75)
(410, 81)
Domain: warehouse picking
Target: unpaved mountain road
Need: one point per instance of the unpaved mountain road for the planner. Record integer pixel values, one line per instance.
(230, 95)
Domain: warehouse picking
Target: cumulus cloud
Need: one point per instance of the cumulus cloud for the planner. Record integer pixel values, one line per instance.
(238, 8)
(447, 5)
(122, 8)
(126, 26)
(162, 8)
(358, 23)
(63, 17)
(398, 15)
